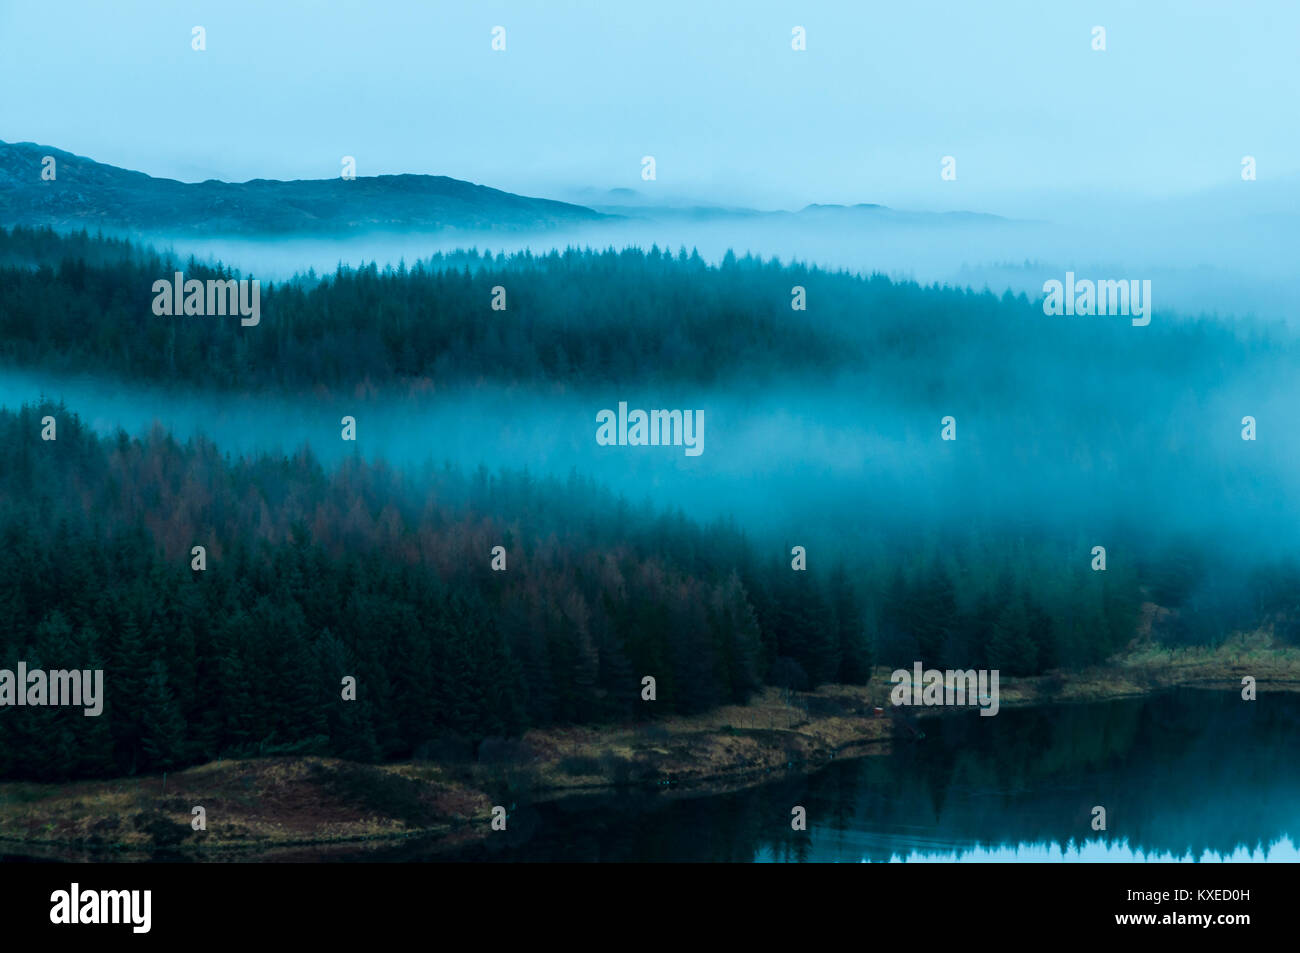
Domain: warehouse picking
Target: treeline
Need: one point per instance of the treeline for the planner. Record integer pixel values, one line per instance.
(32, 247)
(1029, 602)
(578, 317)
(313, 576)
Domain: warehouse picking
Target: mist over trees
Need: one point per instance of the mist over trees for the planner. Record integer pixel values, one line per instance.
(576, 317)
(312, 577)
(316, 573)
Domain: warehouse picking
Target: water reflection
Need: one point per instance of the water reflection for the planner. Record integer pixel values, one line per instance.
(1189, 776)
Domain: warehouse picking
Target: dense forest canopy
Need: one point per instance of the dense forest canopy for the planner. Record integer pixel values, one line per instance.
(313, 575)
(576, 317)
(318, 572)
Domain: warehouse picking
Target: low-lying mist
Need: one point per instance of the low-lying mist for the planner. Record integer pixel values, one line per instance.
(830, 461)
(1242, 266)
(943, 434)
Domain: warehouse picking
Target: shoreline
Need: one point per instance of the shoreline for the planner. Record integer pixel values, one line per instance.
(306, 807)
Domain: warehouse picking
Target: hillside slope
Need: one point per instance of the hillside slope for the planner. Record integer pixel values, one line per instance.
(91, 194)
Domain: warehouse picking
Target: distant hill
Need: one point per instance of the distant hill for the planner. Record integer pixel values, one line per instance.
(884, 214)
(864, 215)
(94, 195)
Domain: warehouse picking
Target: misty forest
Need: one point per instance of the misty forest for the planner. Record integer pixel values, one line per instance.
(978, 552)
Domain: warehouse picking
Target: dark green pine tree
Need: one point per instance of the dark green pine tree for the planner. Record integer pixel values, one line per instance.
(351, 733)
(1012, 650)
(737, 638)
(934, 602)
(94, 734)
(162, 737)
(56, 648)
(850, 630)
(238, 729)
(124, 681)
(40, 745)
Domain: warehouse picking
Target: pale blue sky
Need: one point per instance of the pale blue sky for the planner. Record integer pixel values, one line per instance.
(711, 89)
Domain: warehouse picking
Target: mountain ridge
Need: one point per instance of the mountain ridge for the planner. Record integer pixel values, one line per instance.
(107, 196)
(90, 194)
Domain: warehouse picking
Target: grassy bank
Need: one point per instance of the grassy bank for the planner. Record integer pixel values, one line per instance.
(313, 805)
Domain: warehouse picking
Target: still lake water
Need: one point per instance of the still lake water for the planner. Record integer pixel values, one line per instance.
(1188, 775)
